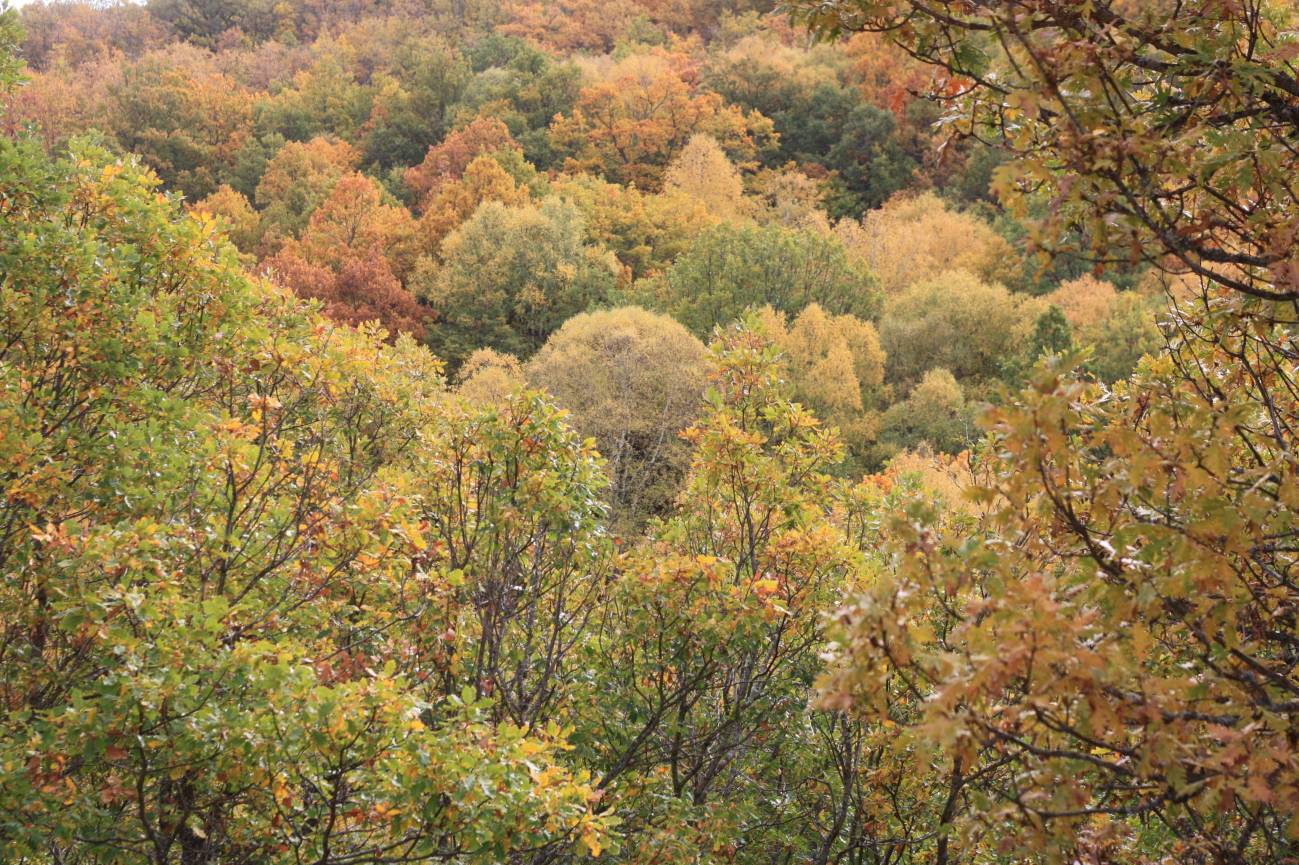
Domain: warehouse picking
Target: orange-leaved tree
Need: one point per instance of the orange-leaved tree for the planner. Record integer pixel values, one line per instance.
(629, 125)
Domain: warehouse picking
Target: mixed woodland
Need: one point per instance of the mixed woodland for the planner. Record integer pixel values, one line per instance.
(834, 432)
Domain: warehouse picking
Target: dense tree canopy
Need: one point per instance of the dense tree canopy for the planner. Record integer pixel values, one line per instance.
(186, 123)
(934, 414)
(835, 365)
(298, 178)
(646, 109)
(448, 160)
(663, 132)
(647, 232)
(523, 433)
(914, 239)
(527, 86)
(220, 625)
(955, 321)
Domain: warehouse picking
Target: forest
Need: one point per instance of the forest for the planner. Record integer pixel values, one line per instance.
(661, 432)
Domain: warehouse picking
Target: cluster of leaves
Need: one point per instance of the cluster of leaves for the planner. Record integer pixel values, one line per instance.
(223, 613)
(1102, 668)
(1139, 122)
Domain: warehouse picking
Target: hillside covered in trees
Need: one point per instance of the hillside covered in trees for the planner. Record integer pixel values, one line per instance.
(834, 432)
(477, 174)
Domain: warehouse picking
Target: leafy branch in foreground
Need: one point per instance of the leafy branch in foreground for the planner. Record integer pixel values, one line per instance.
(222, 618)
(1107, 666)
(1163, 131)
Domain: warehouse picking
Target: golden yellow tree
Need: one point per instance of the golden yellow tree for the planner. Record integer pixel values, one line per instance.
(633, 380)
(701, 171)
(236, 216)
(915, 238)
(835, 364)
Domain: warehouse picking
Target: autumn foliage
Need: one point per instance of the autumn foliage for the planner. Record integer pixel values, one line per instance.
(221, 637)
(523, 433)
(1103, 668)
